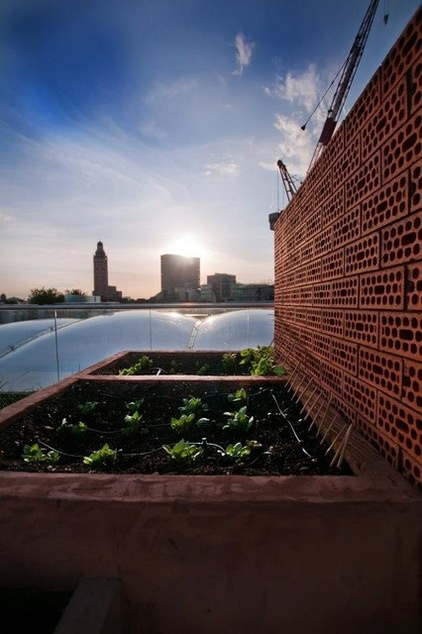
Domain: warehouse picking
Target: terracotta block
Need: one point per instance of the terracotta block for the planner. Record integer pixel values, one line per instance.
(402, 149)
(383, 289)
(401, 333)
(361, 326)
(362, 255)
(402, 241)
(344, 355)
(402, 424)
(387, 204)
(361, 396)
(382, 370)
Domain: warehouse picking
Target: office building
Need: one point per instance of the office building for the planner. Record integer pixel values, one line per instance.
(180, 277)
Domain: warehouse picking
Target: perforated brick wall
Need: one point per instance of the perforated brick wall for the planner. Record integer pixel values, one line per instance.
(348, 263)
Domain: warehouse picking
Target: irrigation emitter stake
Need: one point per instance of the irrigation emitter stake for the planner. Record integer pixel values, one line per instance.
(290, 379)
(308, 413)
(308, 399)
(325, 414)
(314, 420)
(346, 440)
(290, 425)
(334, 441)
(295, 390)
(329, 427)
(306, 387)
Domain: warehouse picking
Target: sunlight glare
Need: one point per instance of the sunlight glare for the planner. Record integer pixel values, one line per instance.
(186, 245)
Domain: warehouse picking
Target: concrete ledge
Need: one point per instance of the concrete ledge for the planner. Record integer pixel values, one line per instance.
(95, 607)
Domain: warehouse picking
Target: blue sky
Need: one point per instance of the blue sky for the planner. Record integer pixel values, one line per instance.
(155, 126)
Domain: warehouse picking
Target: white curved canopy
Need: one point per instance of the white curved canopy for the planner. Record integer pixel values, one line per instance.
(33, 355)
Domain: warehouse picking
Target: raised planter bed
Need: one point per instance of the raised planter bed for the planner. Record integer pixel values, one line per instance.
(221, 553)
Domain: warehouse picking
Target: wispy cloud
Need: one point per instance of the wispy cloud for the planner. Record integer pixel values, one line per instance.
(302, 89)
(243, 53)
(223, 168)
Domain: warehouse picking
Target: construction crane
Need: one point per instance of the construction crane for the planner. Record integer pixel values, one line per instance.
(288, 183)
(349, 70)
(290, 189)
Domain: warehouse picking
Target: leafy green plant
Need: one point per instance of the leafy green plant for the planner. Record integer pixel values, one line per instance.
(101, 458)
(193, 405)
(202, 369)
(260, 361)
(239, 451)
(183, 451)
(190, 411)
(132, 423)
(182, 424)
(174, 367)
(240, 396)
(139, 367)
(135, 406)
(88, 407)
(238, 422)
(75, 430)
(36, 454)
(229, 363)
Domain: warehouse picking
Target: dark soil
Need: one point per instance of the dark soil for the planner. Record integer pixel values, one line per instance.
(279, 453)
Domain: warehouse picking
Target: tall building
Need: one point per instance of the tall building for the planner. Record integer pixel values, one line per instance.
(100, 273)
(180, 276)
(223, 286)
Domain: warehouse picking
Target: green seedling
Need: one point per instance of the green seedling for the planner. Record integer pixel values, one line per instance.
(182, 424)
(36, 454)
(183, 451)
(237, 451)
(238, 422)
(191, 409)
(202, 369)
(132, 423)
(193, 405)
(240, 396)
(229, 363)
(135, 406)
(174, 367)
(140, 367)
(88, 408)
(102, 458)
(260, 361)
(76, 430)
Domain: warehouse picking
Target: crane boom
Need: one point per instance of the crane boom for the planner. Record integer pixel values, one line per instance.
(288, 183)
(349, 70)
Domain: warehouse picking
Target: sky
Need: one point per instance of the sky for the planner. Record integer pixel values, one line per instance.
(155, 126)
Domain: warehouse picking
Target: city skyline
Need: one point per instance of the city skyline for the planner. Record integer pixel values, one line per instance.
(159, 124)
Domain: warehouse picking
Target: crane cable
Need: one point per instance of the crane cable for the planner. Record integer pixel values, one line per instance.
(303, 127)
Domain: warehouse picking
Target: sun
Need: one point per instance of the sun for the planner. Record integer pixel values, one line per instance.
(187, 245)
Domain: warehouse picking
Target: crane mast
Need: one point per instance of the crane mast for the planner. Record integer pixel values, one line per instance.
(349, 70)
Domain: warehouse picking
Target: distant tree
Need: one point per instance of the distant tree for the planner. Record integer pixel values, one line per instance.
(45, 296)
(76, 291)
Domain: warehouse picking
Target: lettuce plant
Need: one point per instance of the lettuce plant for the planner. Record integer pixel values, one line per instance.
(183, 451)
(238, 422)
(139, 367)
(101, 458)
(36, 454)
(88, 407)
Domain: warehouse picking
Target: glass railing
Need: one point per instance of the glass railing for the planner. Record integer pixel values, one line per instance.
(40, 345)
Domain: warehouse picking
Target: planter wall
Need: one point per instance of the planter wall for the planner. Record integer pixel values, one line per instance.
(222, 554)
